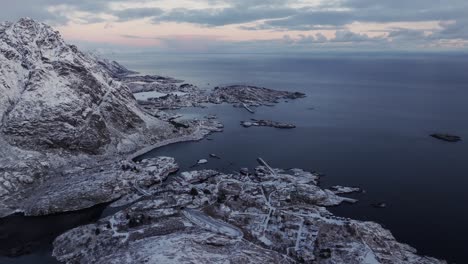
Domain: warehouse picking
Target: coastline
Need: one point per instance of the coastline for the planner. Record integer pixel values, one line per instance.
(196, 135)
(281, 212)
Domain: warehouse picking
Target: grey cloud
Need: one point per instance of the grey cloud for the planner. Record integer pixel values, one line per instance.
(341, 36)
(278, 15)
(37, 9)
(457, 30)
(137, 13)
(306, 17)
(13, 10)
(134, 37)
(265, 26)
(406, 34)
(281, 16)
(226, 16)
(306, 39)
(348, 36)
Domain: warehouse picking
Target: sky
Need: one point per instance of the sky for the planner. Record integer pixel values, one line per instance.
(252, 25)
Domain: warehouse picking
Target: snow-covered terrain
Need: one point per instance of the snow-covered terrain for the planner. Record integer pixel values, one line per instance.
(54, 96)
(63, 111)
(269, 216)
(70, 131)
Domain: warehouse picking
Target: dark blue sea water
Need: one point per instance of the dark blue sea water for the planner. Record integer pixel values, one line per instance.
(366, 122)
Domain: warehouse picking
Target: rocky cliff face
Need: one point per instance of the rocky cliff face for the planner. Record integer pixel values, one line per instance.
(52, 96)
(64, 114)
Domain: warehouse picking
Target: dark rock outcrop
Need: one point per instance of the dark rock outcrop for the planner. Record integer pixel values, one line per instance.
(447, 137)
(267, 123)
(251, 95)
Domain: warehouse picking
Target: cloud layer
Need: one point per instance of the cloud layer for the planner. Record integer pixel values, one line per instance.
(399, 24)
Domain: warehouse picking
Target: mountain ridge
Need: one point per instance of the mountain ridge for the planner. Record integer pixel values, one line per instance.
(53, 94)
(64, 115)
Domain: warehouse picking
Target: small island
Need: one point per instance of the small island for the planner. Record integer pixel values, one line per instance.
(447, 137)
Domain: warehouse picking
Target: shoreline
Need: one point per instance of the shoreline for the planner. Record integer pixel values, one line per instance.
(200, 133)
(195, 136)
(282, 212)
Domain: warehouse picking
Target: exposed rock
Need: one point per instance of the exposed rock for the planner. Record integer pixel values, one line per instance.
(173, 101)
(214, 156)
(179, 124)
(198, 129)
(250, 95)
(164, 94)
(447, 137)
(246, 124)
(113, 68)
(244, 171)
(84, 187)
(242, 218)
(147, 83)
(64, 118)
(267, 123)
(344, 190)
(55, 97)
(247, 108)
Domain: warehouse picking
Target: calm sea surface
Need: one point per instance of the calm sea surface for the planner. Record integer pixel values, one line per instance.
(366, 122)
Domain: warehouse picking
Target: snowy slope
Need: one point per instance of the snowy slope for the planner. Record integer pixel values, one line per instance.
(54, 96)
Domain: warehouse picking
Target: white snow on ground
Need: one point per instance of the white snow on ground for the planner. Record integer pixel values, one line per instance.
(179, 93)
(370, 258)
(113, 222)
(145, 96)
(217, 226)
(265, 241)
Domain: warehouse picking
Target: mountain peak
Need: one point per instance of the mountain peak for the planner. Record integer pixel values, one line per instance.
(27, 35)
(30, 25)
(59, 97)
(27, 21)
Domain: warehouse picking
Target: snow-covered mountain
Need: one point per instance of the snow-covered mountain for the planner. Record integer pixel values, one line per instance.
(53, 96)
(66, 123)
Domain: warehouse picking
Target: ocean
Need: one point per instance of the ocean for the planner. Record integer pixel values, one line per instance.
(365, 122)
